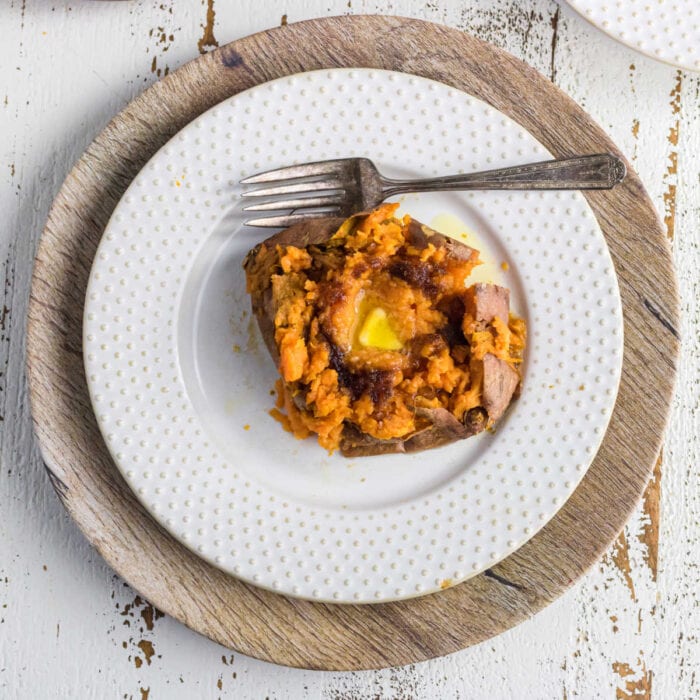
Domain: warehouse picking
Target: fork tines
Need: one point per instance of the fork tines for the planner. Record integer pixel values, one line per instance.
(291, 172)
(312, 179)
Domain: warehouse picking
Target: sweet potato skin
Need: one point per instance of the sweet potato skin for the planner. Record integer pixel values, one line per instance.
(437, 425)
(500, 383)
(262, 262)
(441, 428)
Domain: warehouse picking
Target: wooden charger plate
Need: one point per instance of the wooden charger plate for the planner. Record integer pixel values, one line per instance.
(295, 632)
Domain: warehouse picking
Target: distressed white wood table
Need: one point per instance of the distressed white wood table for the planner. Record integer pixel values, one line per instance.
(70, 628)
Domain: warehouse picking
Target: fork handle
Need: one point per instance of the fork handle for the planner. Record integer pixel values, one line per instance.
(601, 171)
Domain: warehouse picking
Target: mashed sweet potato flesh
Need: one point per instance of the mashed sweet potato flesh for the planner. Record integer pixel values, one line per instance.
(333, 374)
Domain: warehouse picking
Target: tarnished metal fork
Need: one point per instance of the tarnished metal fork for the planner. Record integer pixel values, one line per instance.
(346, 186)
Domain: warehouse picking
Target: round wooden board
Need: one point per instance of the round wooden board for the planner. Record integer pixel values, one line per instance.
(254, 621)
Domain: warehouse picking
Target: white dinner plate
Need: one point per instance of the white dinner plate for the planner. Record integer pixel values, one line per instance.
(668, 30)
(181, 383)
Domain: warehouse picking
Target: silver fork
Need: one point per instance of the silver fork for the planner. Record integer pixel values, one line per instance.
(346, 186)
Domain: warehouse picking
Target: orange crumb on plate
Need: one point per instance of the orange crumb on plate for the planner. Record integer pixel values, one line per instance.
(582, 387)
(237, 348)
(445, 583)
(505, 266)
(246, 427)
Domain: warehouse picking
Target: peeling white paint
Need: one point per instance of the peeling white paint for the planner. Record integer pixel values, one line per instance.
(65, 70)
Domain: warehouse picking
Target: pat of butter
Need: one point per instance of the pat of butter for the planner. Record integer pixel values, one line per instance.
(377, 333)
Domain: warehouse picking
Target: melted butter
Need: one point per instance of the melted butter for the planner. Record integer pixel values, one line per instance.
(452, 226)
(376, 332)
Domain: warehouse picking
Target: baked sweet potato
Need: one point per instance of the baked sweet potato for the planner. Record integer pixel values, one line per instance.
(381, 345)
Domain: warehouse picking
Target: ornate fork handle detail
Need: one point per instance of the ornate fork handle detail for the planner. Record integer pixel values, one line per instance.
(593, 172)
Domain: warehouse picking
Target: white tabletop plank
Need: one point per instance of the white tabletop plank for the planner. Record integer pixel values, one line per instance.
(69, 627)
